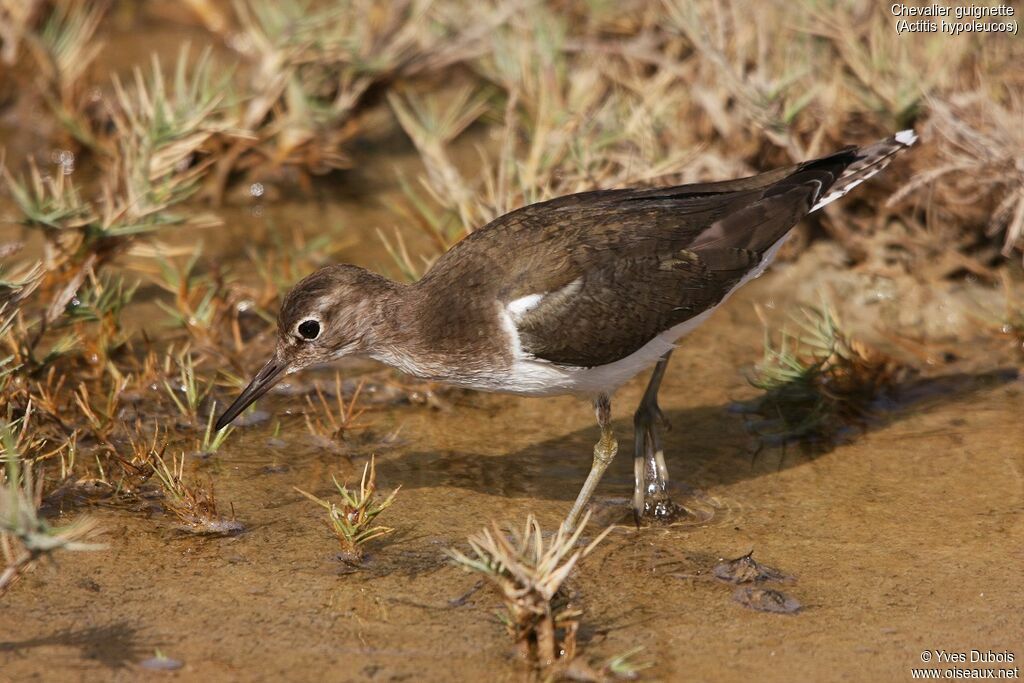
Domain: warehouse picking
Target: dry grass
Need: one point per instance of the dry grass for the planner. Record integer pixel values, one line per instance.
(26, 537)
(975, 176)
(194, 505)
(312, 68)
(697, 91)
(528, 574)
(335, 422)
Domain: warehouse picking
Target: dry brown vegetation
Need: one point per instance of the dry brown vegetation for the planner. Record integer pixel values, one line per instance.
(334, 422)
(818, 382)
(679, 91)
(529, 573)
(193, 504)
(557, 97)
(26, 536)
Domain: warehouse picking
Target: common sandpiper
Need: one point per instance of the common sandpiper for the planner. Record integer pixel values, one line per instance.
(574, 295)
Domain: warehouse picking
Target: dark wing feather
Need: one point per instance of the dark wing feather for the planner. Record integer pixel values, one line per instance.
(675, 254)
(624, 297)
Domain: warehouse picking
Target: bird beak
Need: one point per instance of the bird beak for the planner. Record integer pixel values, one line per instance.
(260, 384)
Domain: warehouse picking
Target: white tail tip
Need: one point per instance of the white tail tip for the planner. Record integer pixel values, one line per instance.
(906, 137)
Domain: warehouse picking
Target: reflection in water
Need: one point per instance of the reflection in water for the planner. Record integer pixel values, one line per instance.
(551, 468)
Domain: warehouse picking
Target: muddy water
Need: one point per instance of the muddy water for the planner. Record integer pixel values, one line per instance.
(907, 538)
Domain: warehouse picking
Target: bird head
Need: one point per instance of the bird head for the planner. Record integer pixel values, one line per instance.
(327, 315)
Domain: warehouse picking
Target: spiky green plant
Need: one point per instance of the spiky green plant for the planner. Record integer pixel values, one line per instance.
(26, 537)
(18, 338)
(209, 303)
(819, 382)
(99, 302)
(16, 286)
(528, 573)
(164, 131)
(353, 520)
(102, 299)
(191, 389)
(67, 38)
(13, 289)
(49, 202)
(194, 306)
(624, 666)
(213, 439)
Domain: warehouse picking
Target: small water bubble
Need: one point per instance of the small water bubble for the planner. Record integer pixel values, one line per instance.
(244, 305)
(257, 189)
(183, 164)
(64, 158)
(257, 211)
(67, 163)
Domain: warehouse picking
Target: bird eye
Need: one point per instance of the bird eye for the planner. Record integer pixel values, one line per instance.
(309, 329)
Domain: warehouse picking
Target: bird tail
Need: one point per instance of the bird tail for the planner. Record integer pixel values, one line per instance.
(870, 159)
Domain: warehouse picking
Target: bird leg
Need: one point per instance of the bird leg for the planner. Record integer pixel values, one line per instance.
(650, 495)
(604, 452)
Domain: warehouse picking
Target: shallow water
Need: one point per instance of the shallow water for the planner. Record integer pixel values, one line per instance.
(907, 538)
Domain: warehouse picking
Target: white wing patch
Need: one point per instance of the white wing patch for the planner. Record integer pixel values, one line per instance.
(520, 307)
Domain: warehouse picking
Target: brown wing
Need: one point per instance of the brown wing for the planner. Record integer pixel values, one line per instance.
(616, 268)
(625, 295)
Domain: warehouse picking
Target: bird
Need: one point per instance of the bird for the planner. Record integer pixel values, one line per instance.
(573, 295)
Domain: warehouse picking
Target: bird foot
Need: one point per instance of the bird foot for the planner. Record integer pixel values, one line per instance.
(663, 510)
(658, 508)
